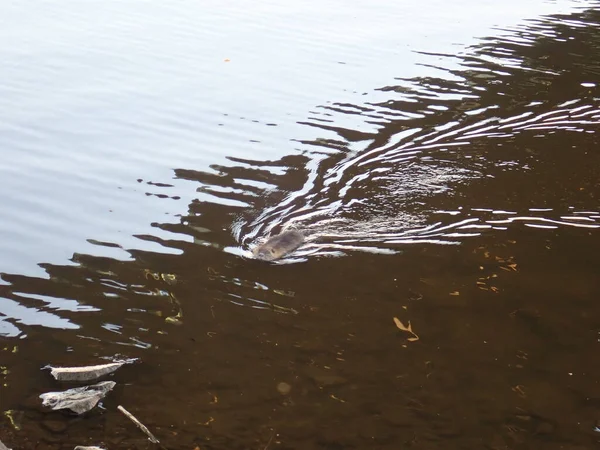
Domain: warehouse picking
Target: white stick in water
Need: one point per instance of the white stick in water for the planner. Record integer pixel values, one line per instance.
(140, 425)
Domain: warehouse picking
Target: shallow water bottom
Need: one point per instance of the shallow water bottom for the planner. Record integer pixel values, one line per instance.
(501, 354)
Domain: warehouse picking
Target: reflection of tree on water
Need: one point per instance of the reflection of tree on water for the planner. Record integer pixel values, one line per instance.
(404, 173)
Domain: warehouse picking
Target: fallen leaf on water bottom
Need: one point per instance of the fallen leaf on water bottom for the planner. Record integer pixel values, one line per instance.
(408, 328)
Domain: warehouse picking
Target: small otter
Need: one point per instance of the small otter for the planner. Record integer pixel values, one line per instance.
(278, 246)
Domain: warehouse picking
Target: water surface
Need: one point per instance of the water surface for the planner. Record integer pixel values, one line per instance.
(442, 161)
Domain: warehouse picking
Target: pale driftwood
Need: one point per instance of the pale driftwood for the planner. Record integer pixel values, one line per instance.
(86, 373)
(78, 400)
(139, 424)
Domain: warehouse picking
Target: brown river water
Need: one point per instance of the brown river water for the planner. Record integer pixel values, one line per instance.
(441, 158)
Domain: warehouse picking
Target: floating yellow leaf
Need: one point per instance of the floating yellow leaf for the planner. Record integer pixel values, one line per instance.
(455, 293)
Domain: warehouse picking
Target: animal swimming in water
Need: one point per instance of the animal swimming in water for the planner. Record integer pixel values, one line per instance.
(278, 246)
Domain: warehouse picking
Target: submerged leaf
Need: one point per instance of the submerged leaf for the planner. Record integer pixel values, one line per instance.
(408, 328)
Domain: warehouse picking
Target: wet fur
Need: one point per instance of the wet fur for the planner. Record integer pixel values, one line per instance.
(279, 246)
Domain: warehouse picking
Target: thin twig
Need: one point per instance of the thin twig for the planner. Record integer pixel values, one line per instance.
(140, 425)
(270, 440)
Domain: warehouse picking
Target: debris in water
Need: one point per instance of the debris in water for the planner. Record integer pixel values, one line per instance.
(177, 319)
(140, 425)
(15, 418)
(3, 447)
(408, 328)
(284, 388)
(86, 373)
(337, 398)
(78, 400)
(92, 447)
(284, 293)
